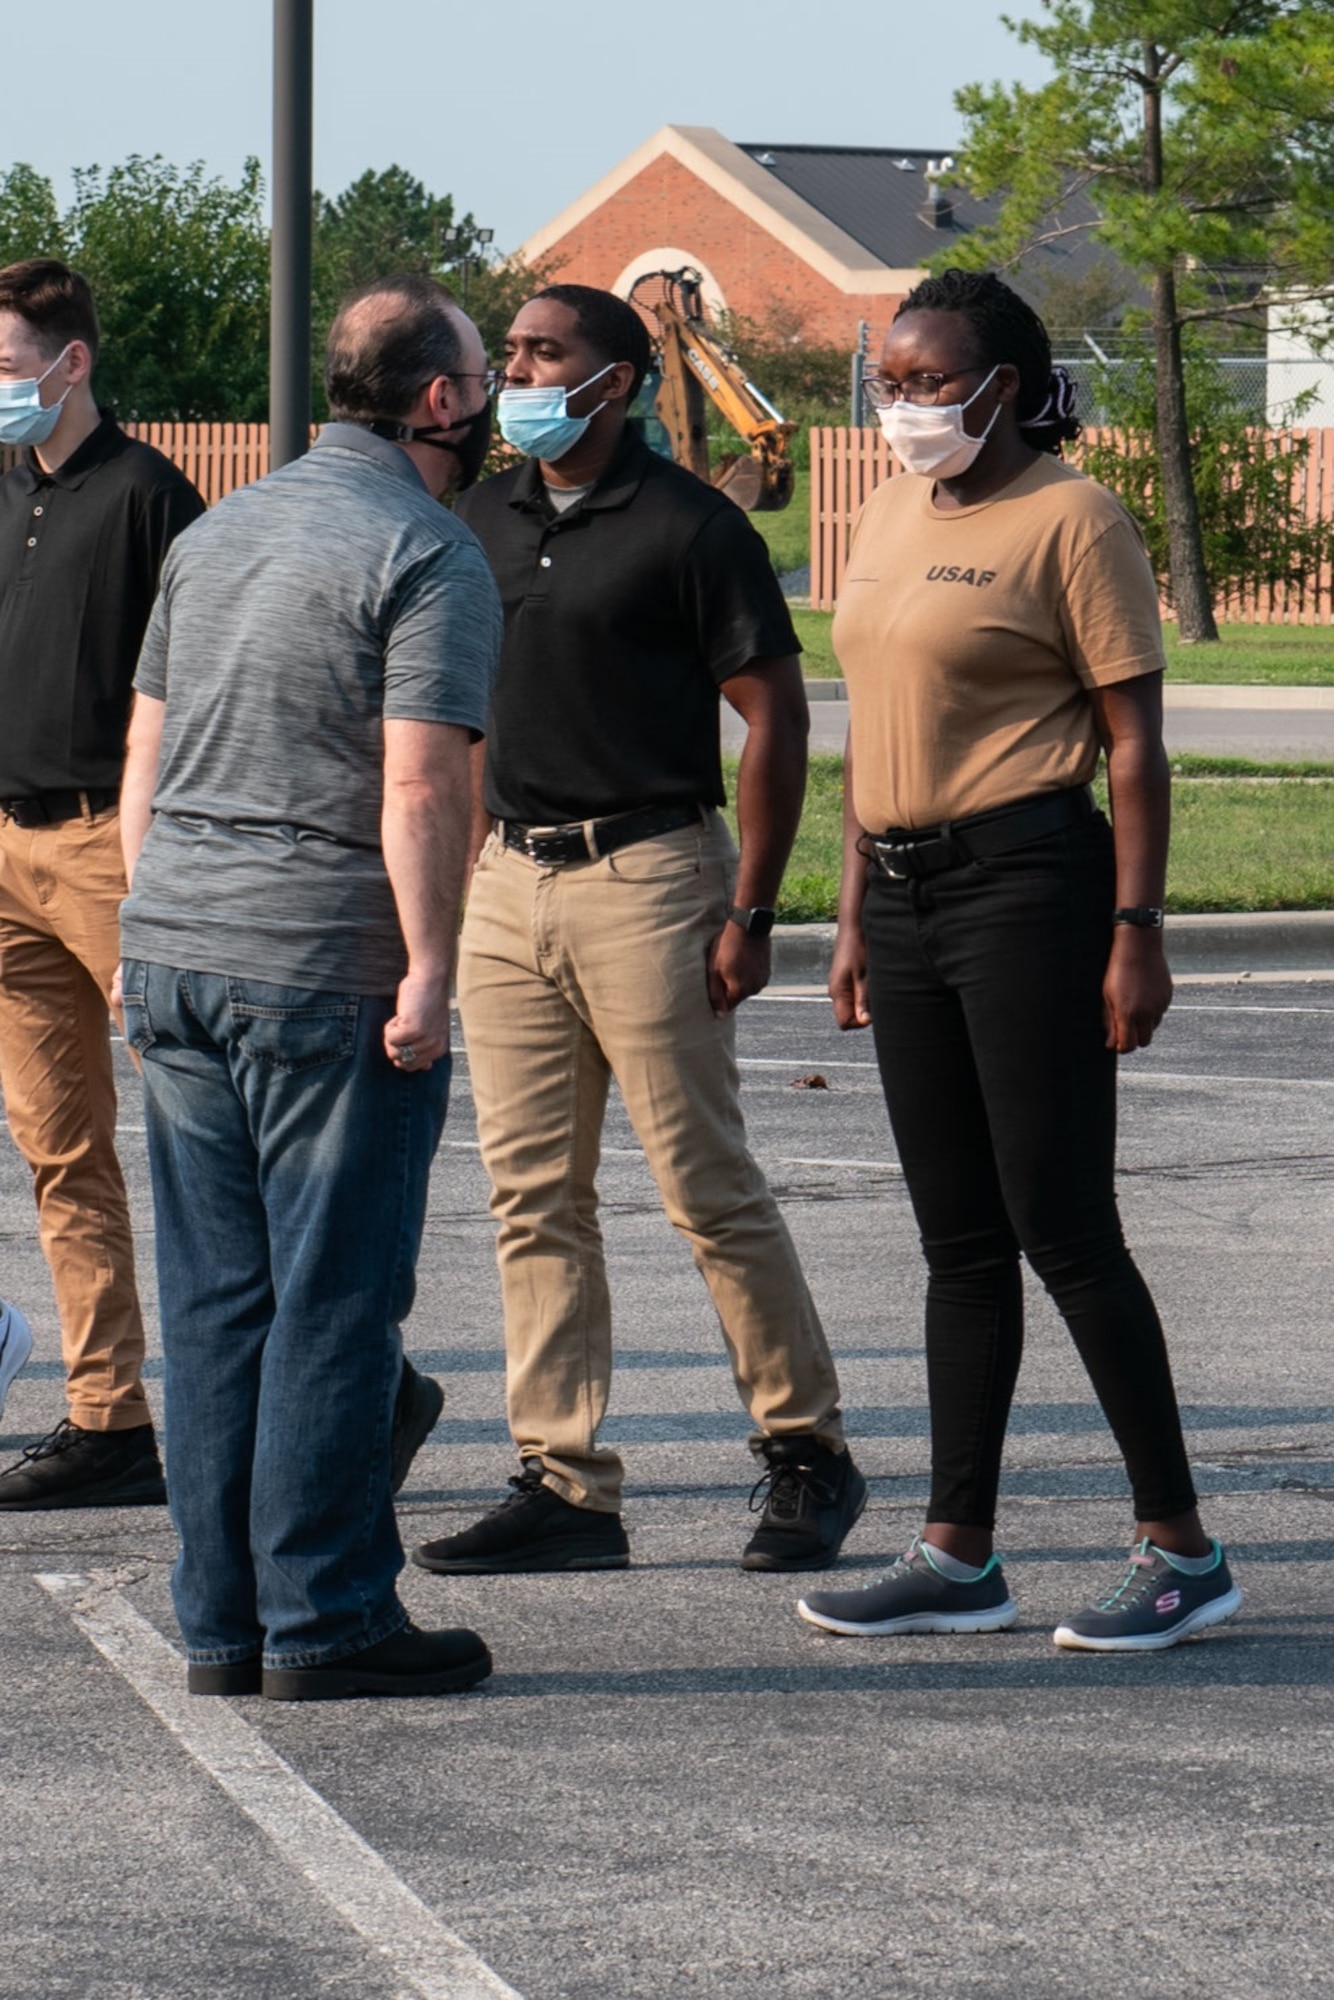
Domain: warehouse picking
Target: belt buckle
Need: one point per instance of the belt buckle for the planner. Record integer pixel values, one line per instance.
(537, 839)
(884, 848)
(23, 813)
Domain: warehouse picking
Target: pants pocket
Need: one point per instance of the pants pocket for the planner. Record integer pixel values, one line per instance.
(139, 1033)
(290, 1028)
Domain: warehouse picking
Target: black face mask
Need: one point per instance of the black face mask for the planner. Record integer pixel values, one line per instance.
(470, 448)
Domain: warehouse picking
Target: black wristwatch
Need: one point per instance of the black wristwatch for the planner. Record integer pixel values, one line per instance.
(756, 923)
(1144, 917)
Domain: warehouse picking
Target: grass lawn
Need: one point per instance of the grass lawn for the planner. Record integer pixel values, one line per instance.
(788, 533)
(1245, 656)
(1244, 837)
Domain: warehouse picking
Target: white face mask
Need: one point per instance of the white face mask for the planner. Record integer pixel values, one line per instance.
(930, 437)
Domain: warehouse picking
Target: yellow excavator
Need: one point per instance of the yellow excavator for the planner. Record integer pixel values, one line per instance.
(690, 363)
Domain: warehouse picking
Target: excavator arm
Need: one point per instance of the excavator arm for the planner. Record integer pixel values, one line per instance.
(694, 364)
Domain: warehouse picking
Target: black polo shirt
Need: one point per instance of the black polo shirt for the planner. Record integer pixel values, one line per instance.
(80, 553)
(622, 617)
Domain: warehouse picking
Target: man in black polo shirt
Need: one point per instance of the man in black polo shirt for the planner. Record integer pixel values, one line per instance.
(611, 930)
(85, 520)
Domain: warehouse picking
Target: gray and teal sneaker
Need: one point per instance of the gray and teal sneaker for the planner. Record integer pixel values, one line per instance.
(915, 1596)
(1154, 1606)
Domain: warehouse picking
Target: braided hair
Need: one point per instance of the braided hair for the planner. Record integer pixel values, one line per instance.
(1007, 329)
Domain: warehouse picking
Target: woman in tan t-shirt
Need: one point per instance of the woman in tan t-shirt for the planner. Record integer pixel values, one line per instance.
(998, 628)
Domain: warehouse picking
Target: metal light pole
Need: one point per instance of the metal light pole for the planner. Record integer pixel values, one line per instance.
(290, 270)
(859, 376)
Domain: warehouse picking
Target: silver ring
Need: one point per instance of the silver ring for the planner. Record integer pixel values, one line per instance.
(407, 1055)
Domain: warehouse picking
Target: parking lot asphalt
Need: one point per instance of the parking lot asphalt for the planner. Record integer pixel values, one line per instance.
(671, 1787)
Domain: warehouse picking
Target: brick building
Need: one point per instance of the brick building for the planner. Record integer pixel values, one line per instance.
(817, 237)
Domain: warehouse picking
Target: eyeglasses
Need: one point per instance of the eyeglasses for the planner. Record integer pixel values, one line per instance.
(879, 392)
(494, 378)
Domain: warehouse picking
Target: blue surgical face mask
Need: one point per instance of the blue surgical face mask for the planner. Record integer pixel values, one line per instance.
(24, 418)
(537, 422)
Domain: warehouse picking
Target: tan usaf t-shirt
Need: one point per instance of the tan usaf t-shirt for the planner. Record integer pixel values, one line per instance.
(967, 640)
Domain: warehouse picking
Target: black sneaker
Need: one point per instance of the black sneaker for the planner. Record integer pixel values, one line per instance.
(812, 1497)
(78, 1468)
(531, 1531)
(230, 1677)
(408, 1662)
(915, 1596)
(1154, 1606)
(417, 1410)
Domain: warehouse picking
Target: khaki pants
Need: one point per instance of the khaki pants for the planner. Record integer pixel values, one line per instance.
(569, 976)
(60, 893)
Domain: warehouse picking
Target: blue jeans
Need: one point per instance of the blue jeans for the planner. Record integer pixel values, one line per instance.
(290, 1162)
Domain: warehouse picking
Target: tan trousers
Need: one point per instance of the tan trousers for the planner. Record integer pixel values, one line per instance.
(569, 976)
(60, 893)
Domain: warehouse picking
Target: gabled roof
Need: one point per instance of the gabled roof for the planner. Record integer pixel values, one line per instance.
(751, 188)
(854, 213)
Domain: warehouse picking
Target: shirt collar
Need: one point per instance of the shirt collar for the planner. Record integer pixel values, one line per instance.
(616, 487)
(355, 437)
(107, 441)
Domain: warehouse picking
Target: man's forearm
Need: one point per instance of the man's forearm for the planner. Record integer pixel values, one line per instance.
(139, 779)
(424, 834)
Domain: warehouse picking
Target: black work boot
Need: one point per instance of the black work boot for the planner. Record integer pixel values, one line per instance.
(533, 1530)
(408, 1662)
(812, 1497)
(417, 1410)
(78, 1468)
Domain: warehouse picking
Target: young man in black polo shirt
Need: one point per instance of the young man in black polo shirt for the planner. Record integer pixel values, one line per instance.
(612, 930)
(85, 520)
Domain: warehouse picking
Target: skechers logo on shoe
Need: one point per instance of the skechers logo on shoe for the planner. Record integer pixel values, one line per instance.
(1168, 1602)
(980, 578)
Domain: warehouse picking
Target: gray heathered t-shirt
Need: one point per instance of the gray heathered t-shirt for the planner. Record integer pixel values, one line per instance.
(291, 620)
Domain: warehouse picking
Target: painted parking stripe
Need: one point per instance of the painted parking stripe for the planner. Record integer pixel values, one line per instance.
(338, 1864)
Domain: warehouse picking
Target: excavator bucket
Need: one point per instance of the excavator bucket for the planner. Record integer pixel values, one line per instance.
(754, 486)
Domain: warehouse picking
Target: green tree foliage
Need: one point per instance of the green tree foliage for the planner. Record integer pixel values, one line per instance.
(1202, 133)
(30, 224)
(179, 265)
(1253, 516)
(808, 381)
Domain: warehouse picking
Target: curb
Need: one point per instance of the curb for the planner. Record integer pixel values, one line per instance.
(1229, 945)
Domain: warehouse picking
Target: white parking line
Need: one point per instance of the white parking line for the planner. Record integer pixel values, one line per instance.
(338, 1864)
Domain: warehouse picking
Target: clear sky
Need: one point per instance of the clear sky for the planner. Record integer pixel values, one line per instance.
(513, 109)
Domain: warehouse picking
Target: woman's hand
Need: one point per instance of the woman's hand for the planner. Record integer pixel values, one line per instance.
(1136, 988)
(847, 978)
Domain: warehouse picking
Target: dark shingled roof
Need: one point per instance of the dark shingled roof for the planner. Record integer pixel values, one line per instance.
(878, 195)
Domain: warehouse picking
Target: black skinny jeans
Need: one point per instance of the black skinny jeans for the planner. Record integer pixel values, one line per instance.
(986, 1000)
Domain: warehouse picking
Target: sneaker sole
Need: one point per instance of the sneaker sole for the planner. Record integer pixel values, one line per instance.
(998, 1619)
(412, 1437)
(820, 1559)
(333, 1684)
(115, 1493)
(552, 1561)
(1199, 1620)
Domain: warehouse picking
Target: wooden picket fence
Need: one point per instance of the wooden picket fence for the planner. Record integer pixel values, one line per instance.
(847, 464)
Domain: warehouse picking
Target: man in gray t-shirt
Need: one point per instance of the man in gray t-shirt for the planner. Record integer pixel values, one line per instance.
(295, 814)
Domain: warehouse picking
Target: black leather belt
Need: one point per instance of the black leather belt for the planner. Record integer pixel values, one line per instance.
(586, 840)
(48, 808)
(907, 853)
